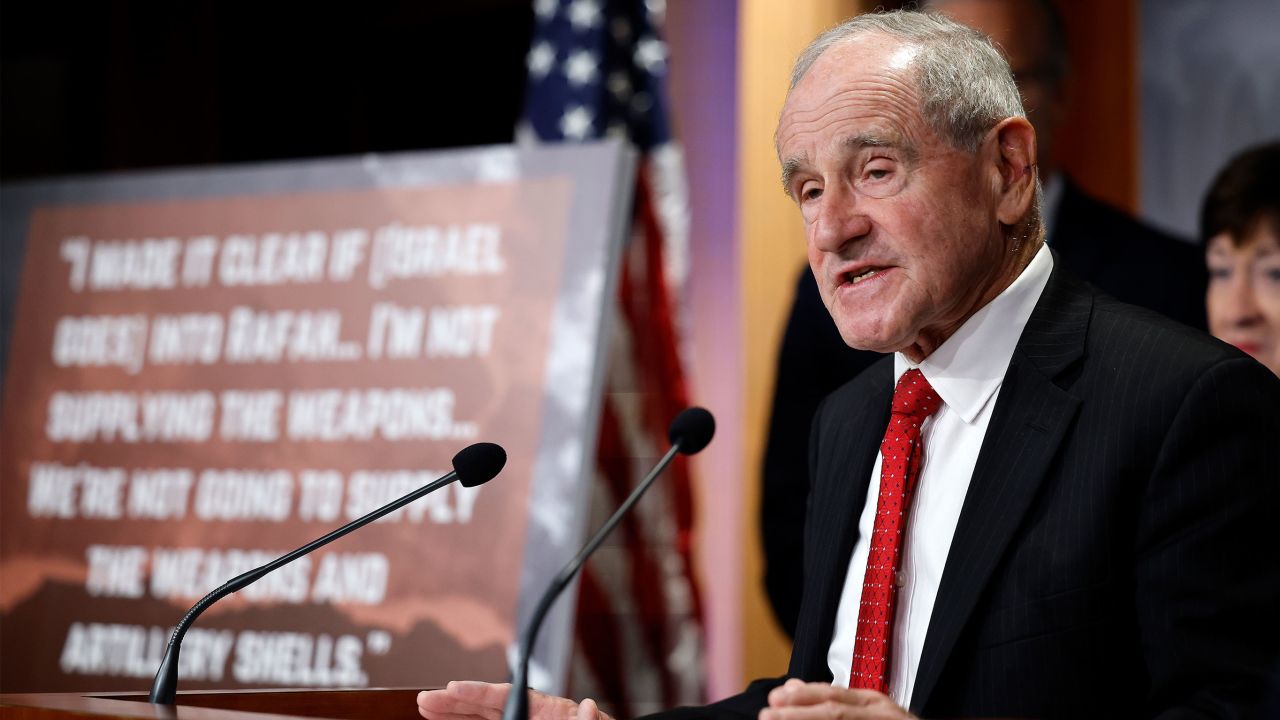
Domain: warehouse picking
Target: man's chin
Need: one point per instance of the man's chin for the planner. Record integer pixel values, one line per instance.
(872, 342)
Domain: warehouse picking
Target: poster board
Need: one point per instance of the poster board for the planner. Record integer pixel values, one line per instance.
(204, 369)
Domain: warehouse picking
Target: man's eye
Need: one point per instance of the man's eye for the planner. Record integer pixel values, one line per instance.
(811, 193)
(881, 177)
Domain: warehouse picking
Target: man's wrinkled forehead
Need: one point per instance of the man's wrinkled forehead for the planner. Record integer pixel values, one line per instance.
(870, 50)
(871, 65)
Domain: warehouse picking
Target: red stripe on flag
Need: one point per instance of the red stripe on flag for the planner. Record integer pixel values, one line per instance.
(656, 322)
(651, 361)
(597, 626)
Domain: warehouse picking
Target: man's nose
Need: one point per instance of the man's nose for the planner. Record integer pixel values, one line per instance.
(841, 220)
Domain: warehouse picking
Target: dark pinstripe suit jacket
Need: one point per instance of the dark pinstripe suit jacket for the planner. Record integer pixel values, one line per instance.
(1116, 551)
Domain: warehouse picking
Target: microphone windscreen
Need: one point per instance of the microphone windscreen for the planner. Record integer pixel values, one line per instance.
(692, 430)
(479, 463)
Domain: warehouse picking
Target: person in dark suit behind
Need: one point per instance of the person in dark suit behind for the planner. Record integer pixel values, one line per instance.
(1125, 258)
(1046, 502)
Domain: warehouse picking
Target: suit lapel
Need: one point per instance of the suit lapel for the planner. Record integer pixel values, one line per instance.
(840, 491)
(1031, 417)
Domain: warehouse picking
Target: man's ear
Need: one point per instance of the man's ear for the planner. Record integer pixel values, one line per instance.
(1016, 159)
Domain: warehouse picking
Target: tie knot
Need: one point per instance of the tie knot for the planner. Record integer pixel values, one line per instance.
(914, 397)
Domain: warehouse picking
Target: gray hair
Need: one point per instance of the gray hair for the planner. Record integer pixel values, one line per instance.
(963, 81)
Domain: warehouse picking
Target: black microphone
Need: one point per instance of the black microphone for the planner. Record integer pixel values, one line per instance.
(689, 432)
(473, 465)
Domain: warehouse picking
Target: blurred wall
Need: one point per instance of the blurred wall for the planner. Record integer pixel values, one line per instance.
(1210, 87)
(703, 38)
(1098, 144)
(771, 34)
(95, 87)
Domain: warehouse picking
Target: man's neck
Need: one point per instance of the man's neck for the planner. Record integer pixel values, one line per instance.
(1024, 250)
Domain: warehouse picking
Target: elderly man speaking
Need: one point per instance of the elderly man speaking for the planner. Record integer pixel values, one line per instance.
(1046, 503)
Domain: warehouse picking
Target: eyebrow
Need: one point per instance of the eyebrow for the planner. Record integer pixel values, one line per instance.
(854, 143)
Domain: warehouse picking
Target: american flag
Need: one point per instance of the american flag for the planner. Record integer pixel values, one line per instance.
(598, 68)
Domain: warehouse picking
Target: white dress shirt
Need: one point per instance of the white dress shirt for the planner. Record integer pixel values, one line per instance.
(966, 372)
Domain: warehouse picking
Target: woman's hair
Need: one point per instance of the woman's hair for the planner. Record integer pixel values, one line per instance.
(1245, 193)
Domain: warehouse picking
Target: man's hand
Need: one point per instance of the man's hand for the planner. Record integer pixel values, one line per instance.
(466, 700)
(798, 700)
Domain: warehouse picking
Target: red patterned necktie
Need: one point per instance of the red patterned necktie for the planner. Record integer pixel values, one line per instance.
(913, 401)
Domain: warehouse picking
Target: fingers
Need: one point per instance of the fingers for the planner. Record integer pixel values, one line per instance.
(470, 700)
(797, 692)
(435, 704)
(837, 711)
(463, 701)
(480, 693)
(797, 700)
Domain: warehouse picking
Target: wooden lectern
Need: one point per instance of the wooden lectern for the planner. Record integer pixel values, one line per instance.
(392, 704)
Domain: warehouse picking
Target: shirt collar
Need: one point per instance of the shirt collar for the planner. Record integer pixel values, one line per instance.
(968, 368)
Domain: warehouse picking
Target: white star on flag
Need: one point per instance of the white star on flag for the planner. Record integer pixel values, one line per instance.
(584, 14)
(541, 57)
(657, 10)
(641, 102)
(575, 124)
(651, 54)
(620, 85)
(580, 68)
(545, 9)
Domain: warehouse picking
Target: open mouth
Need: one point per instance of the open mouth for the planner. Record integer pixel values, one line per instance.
(866, 274)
